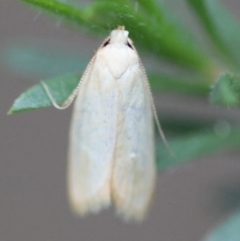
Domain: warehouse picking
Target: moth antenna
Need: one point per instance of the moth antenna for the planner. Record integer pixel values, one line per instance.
(160, 130)
(66, 103)
(70, 99)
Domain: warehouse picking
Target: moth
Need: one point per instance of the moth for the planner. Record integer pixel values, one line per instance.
(111, 148)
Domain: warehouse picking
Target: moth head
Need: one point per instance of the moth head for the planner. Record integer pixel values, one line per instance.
(119, 35)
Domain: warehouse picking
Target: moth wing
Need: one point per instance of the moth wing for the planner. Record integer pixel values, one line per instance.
(134, 165)
(92, 140)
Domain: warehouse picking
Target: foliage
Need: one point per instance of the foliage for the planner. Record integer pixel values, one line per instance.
(155, 30)
(208, 71)
(229, 230)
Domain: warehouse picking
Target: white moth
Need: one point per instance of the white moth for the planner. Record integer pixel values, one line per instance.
(111, 150)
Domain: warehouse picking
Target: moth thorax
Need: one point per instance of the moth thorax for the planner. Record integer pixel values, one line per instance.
(119, 36)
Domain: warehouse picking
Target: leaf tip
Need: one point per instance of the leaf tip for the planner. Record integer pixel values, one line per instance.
(11, 111)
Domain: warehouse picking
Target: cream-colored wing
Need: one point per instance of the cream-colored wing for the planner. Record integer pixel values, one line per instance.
(92, 140)
(134, 165)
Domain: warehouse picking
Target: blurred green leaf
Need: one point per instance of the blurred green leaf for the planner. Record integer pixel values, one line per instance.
(221, 26)
(44, 59)
(175, 125)
(226, 90)
(61, 87)
(228, 230)
(36, 97)
(188, 147)
(158, 35)
(149, 7)
(164, 82)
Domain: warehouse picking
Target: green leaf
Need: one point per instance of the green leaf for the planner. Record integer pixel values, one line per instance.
(149, 6)
(36, 97)
(61, 88)
(221, 26)
(229, 230)
(62, 9)
(160, 35)
(188, 147)
(164, 82)
(176, 125)
(226, 90)
(43, 59)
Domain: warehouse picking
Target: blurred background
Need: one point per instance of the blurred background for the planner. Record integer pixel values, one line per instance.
(190, 198)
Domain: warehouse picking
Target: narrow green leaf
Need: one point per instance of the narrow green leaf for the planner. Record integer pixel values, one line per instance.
(176, 125)
(36, 97)
(149, 7)
(229, 230)
(62, 9)
(188, 147)
(161, 36)
(226, 90)
(164, 82)
(221, 26)
(43, 59)
(47, 60)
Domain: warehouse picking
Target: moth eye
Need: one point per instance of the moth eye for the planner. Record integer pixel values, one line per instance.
(129, 45)
(106, 43)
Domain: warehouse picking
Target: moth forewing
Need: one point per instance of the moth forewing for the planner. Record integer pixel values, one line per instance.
(134, 163)
(92, 140)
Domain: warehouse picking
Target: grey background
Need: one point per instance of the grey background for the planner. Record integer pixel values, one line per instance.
(189, 200)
